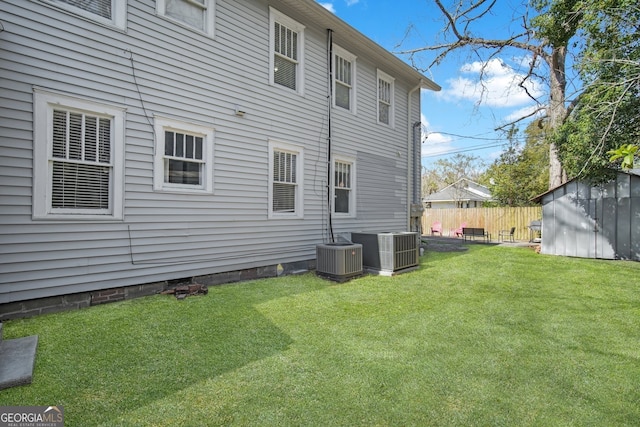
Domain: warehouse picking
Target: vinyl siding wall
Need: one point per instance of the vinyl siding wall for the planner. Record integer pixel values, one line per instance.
(186, 75)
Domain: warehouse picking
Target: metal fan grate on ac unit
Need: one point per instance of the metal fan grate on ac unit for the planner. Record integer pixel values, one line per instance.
(388, 253)
(339, 261)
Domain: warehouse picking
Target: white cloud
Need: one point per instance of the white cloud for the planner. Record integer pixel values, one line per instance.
(329, 7)
(433, 143)
(494, 155)
(498, 88)
(523, 112)
(352, 2)
(436, 144)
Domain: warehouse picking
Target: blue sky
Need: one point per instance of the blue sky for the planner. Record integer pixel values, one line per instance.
(462, 117)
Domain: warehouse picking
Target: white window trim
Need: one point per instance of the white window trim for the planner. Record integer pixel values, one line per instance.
(381, 75)
(119, 13)
(352, 199)
(161, 8)
(44, 102)
(277, 16)
(164, 123)
(299, 151)
(337, 50)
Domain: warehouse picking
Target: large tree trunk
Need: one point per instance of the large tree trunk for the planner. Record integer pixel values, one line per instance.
(564, 18)
(557, 112)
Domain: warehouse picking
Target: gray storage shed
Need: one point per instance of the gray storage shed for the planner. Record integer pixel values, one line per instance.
(593, 221)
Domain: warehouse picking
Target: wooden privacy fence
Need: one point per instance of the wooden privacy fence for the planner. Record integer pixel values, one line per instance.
(491, 219)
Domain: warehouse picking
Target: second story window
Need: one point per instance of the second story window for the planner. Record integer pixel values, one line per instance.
(385, 98)
(344, 72)
(111, 12)
(198, 14)
(287, 41)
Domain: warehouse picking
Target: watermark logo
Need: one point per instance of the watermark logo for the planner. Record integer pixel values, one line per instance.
(31, 416)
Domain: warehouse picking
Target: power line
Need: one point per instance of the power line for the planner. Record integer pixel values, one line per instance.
(515, 138)
(464, 150)
(465, 136)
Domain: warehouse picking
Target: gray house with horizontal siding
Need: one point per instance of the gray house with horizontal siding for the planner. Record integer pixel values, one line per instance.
(144, 142)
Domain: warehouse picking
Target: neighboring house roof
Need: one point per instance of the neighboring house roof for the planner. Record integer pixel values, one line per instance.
(349, 38)
(461, 190)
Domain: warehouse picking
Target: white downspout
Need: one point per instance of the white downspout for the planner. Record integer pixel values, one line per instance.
(410, 160)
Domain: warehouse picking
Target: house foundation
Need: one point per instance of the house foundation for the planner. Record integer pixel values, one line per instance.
(54, 304)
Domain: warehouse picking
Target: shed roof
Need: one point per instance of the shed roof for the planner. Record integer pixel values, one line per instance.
(538, 198)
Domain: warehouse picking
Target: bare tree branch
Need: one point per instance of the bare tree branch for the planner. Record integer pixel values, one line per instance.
(546, 41)
(526, 116)
(463, 39)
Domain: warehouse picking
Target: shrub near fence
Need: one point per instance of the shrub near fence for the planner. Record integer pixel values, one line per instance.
(491, 219)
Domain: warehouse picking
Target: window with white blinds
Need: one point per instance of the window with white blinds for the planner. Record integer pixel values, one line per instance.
(107, 11)
(78, 158)
(343, 186)
(344, 78)
(284, 181)
(184, 156)
(198, 14)
(286, 56)
(287, 50)
(385, 98)
(81, 161)
(99, 7)
(285, 186)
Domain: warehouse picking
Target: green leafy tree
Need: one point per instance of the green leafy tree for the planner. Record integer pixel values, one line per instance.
(520, 173)
(625, 152)
(606, 115)
(545, 30)
(596, 40)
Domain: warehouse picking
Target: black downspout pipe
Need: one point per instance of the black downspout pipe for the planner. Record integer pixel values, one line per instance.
(329, 106)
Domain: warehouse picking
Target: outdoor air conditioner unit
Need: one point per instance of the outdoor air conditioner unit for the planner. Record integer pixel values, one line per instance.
(339, 261)
(388, 253)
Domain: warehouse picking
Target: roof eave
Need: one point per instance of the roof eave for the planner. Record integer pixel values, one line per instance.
(347, 36)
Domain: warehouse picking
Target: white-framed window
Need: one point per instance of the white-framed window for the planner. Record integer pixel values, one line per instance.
(198, 14)
(343, 186)
(344, 79)
(286, 38)
(385, 98)
(78, 158)
(110, 12)
(286, 165)
(183, 156)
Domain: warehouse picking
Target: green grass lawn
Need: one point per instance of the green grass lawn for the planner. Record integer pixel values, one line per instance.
(493, 336)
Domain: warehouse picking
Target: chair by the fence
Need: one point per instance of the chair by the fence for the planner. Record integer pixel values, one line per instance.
(458, 231)
(507, 234)
(436, 227)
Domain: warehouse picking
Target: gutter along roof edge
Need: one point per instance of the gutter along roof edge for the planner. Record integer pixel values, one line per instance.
(345, 35)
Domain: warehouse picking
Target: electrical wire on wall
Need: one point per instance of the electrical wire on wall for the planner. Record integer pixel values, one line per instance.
(135, 82)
